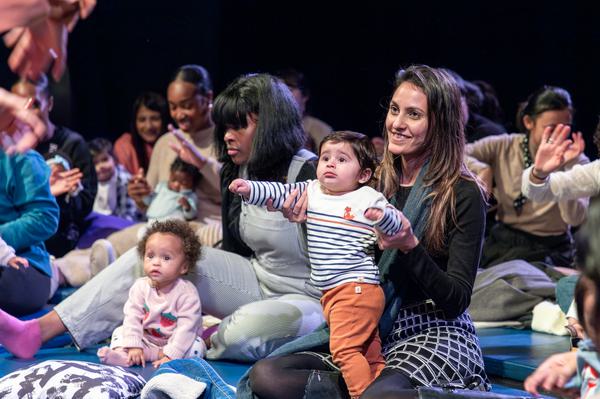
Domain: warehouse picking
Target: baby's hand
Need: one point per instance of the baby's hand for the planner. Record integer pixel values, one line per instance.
(374, 214)
(184, 204)
(136, 356)
(17, 261)
(241, 187)
(160, 361)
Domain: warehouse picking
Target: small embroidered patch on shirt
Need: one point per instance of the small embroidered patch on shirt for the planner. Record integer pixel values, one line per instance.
(357, 289)
(348, 213)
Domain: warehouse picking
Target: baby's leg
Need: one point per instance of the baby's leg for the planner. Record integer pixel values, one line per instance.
(114, 357)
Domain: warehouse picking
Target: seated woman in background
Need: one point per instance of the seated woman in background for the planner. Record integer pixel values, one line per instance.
(148, 122)
(525, 229)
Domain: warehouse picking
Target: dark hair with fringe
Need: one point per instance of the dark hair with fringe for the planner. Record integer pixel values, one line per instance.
(279, 133)
(190, 244)
(361, 145)
(546, 98)
(99, 145)
(444, 144)
(154, 102)
(180, 165)
(196, 75)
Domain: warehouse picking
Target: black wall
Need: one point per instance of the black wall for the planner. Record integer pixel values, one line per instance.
(350, 53)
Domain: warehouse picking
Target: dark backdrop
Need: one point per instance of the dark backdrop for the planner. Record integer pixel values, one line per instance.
(349, 52)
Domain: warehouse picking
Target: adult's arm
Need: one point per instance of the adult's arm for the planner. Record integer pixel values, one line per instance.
(574, 211)
(580, 181)
(33, 201)
(483, 153)
(451, 289)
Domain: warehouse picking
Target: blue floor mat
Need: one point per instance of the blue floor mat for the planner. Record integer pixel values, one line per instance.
(514, 354)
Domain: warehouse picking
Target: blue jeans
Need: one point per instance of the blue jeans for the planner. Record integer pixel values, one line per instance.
(199, 370)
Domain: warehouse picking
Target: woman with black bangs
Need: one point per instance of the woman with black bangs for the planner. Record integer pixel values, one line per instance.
(258, 282)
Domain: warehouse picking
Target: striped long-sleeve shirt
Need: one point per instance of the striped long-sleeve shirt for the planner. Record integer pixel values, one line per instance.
(340, 239)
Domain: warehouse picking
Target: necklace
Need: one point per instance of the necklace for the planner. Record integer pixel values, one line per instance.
(527, 162)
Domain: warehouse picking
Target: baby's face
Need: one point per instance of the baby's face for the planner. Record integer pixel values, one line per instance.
(338, 169)
(180, 180)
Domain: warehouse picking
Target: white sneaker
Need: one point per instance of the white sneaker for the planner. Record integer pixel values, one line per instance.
(102, 255)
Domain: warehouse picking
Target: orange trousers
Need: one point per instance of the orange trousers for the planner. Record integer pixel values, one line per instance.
(352, 311)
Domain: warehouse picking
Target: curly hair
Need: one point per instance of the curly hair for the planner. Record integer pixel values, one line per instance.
(192, 249)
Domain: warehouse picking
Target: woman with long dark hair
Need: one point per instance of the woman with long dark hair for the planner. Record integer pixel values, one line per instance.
(149, 121)
(427, 269)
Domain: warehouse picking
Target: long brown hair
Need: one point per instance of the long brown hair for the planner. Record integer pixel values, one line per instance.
(444, 146)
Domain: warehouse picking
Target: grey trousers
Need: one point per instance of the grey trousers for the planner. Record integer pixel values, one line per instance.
(253, 325)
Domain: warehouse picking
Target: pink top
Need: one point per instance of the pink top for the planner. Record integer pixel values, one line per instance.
(126, 155)
(170, 318)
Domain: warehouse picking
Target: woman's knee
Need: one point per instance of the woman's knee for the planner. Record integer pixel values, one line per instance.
(262, 375)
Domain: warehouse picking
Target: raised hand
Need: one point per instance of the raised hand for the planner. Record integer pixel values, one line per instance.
(138, 188)
(17, 262)
(241, 187)
(23, 126)
(64, 182)
(36, 47)
(554, 150)
(186, 150)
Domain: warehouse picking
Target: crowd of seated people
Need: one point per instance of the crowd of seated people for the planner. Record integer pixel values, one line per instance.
(90, 214)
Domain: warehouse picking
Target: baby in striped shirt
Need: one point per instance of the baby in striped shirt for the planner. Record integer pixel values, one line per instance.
(342, 218)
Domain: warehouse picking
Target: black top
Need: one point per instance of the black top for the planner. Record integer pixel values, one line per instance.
(446, 278)
(73, 210)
